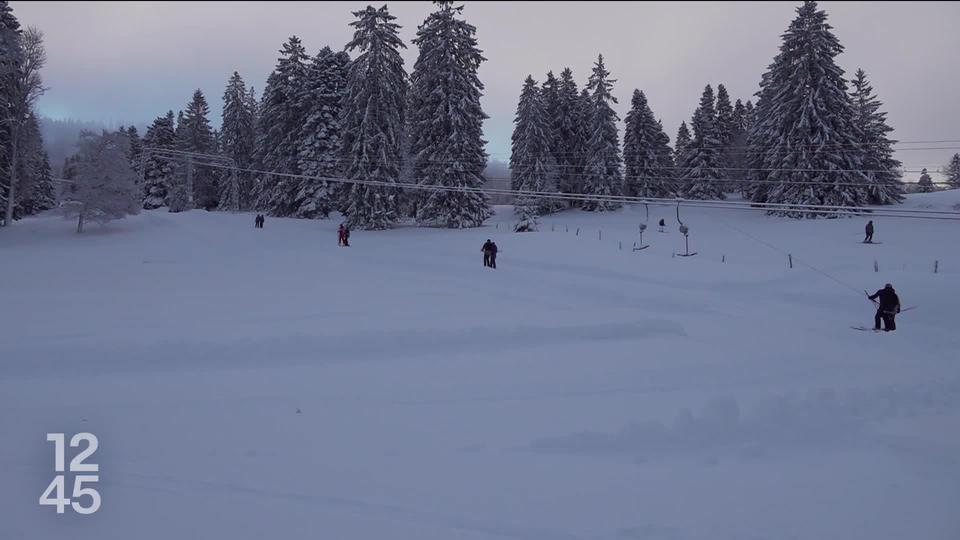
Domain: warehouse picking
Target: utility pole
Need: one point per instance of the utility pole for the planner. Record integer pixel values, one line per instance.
(189, 183)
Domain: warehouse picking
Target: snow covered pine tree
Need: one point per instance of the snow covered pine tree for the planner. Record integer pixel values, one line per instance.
(602, 174)
(805, 146)
(646, 154)
(532, 168)
(446, 122)
(371, 120)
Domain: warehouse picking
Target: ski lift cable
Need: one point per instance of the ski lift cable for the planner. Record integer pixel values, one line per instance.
(657, 167)
(784, 207)
(784, 252)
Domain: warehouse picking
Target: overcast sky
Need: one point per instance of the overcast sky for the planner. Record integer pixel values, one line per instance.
(130, 62)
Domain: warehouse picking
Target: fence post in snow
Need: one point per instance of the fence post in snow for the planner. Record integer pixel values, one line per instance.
(723, 259)
(600, 235)
(876, 267)
(790, 259)
(936, 266)
(551, 227)
(619, 244)
(578, 231)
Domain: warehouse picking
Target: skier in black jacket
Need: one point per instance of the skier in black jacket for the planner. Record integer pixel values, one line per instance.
(887, 309)
(486, 249)
(869, 230)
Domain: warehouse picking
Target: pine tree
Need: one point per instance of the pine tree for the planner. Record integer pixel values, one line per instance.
(44, 195)
(159, 172)
(804, 145)
(602, 173)
(371, 120)
(446, 122)
(725, 127)
(550, 96)
(35, 192)
(10, 59)
(136, 148)
(952, 172)
(666, 163)
(319, 138)
(279, 125)
(238, 142)
(569, 133)
(881, 169)
(701, 170)
(925, 184)
(644, 150)
(532, 167)
(195, 135)
(735, 150)
(681, 144)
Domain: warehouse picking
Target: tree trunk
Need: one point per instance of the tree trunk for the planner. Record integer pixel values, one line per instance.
(80, 223)
(12, 191)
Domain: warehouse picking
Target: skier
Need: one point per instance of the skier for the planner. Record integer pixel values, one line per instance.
(256, 222)
(662, 225)
(346, 236)
(493, 255)
(869, 231)
(487, 250)
(887, 309)
(340, 235)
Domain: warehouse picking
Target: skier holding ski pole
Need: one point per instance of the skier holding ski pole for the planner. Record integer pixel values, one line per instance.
(887, 308)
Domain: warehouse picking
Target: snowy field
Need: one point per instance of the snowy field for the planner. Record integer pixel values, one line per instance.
(251, 384)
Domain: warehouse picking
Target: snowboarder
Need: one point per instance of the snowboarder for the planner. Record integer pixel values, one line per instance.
(662, 225)
(887, 309)
(869, 230)
(340, 235)
(487, 250)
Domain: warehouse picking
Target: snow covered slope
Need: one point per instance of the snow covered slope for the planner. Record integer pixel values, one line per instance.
(250, 384)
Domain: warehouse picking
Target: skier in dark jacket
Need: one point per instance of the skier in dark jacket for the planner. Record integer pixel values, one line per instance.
(869, 231)
(887, 309)
(662, 224)
(493, 255)
(487, 250)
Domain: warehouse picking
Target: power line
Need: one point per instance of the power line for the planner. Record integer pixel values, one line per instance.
(836, 145)
(737, 205)
(632, 177)
(562, 166)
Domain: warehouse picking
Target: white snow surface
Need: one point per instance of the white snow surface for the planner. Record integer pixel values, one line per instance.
(578, 391)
